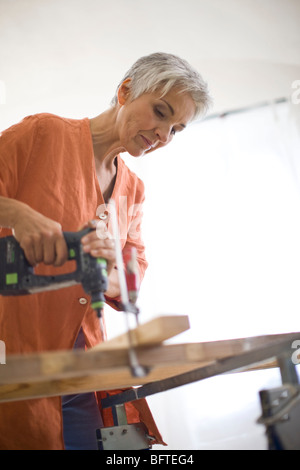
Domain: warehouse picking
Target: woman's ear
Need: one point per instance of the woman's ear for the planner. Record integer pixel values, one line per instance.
(124, 91)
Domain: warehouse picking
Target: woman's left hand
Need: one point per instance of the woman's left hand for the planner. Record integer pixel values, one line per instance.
(99, 243)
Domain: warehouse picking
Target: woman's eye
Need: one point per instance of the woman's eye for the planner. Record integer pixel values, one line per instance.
(162, 115)
(159, 113)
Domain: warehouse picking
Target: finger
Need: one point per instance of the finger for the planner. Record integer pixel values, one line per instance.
(104, 249)
(27, 246)
(30, 255)
(49, 252)
(108, 255)
(91, 224)
(61, 251)
(38, 249)
(100, 245)
(89, 238)
(101, 233)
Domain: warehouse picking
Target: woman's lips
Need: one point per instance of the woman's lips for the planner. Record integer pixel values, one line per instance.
(147, 142)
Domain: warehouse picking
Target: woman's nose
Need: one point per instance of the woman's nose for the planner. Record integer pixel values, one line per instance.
(164, 134)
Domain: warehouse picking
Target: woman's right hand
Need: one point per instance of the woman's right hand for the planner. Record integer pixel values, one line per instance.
(40, 237)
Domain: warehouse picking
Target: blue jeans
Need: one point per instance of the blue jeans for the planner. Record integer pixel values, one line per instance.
(81, 416)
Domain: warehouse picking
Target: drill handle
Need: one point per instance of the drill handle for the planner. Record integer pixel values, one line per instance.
(39, 283)
(19, 277)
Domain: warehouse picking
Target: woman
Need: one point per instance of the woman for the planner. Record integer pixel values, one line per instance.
(55, 175)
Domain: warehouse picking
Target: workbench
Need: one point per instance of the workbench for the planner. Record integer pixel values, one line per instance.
(107, 366)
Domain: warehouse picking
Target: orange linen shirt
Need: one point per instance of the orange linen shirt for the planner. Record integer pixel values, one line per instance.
(48, 163)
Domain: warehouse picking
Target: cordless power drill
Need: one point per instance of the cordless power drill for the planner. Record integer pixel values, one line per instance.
(17, 276)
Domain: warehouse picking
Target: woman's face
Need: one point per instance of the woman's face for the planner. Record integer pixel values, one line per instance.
(151, 121)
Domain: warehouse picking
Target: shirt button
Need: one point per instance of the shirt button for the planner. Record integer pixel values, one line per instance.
(103, 216)
(83, 300)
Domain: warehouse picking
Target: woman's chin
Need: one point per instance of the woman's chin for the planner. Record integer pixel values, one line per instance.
(136, 152)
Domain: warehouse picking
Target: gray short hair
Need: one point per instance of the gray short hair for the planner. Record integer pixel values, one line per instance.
(165, 71)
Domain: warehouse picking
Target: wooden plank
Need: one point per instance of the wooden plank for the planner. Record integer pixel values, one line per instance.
(118, 379)
(73, 363)
(67, 364)
(65, 372)
(58, 364)
(262, 353)
(152, 332)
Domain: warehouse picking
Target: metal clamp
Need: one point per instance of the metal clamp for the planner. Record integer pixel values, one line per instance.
(281, 408)
(123, 436)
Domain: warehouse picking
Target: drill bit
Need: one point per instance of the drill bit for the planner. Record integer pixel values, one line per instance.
(98, 299)
(99, 312)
